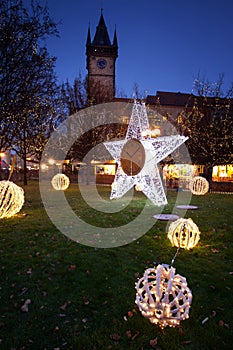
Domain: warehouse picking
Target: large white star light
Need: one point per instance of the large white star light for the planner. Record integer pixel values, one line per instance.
(140, 155)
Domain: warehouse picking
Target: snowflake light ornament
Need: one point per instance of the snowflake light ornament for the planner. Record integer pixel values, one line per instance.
(60, 182)
(11, 198)
(163, 296)
(137, 157)
(183, 233)
(199, 185)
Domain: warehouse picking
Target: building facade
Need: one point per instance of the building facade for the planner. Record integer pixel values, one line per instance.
(101, 57)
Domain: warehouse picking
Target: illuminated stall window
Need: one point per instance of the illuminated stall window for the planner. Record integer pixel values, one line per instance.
(105, 169)
(222, 173)
(179, 175)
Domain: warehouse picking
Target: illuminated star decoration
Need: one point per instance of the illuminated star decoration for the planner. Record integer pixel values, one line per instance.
(147, 178)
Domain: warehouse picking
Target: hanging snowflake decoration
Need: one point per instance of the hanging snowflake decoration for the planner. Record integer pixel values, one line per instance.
(137, 157)
(183, 233)
(60, 182)
(11, 199)
(199, 185)
(163, 296)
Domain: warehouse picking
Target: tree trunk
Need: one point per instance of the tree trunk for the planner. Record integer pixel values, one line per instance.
(24, 162)
(25, 181)
(208, 175)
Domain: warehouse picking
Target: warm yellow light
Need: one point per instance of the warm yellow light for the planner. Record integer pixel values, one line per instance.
(60, 182)
(11, 199)
(215, 170)
(146, 133)
(155, 132)
(138, 188)
(44, 167)
(183, 233)
(2, 154)
(163, 297)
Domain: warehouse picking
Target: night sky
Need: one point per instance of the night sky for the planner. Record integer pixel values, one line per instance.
(164, 45)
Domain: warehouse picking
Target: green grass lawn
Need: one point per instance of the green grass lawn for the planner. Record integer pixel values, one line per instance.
(84, 298)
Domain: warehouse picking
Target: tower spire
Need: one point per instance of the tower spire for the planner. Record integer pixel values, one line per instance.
(101, 35)
(101, 56)
(88, 42)
(115, 38)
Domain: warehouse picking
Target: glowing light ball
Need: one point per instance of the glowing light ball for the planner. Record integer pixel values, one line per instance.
(60, 182)
(199, 185)
(183, 233)
(163, 296)
(11, 199)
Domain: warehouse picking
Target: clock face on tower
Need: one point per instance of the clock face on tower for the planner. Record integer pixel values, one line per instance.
(132, 157)
(101, 63)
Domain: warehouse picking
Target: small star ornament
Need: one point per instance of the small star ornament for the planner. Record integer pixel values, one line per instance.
(137, 157)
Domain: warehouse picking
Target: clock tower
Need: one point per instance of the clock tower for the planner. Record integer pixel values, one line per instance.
(101, 56)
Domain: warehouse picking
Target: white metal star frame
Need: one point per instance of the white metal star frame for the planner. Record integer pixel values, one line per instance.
(147, 178)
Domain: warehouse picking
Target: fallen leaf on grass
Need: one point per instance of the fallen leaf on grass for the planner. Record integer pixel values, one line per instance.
(153, 342)
(23, 290)
(56, 329)
(135, 335)
(223, 324)
(129, 334)
(213, 250)
(213, 313)
(115, 336)
(72, 267)
(86, 301)
(24, 307)
(64, 306)
(187, 342)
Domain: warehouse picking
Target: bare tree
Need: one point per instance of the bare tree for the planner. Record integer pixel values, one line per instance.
(29, 93)
(75, 98)
(209, 125)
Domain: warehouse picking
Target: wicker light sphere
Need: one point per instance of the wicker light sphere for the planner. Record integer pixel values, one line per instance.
(11, 198)
(163, 297)
(60, 182)
(183, 233)
(199, 185)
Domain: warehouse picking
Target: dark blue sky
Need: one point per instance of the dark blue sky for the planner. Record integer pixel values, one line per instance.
(163, 44)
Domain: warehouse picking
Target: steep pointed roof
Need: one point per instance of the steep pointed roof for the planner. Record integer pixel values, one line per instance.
(101, 35)
(115, 38)
(88, 42)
